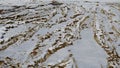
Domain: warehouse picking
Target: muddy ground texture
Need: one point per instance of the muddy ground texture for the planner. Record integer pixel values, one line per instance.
(34, 35)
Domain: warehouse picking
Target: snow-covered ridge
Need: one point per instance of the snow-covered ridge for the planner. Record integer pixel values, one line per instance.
(23, 2)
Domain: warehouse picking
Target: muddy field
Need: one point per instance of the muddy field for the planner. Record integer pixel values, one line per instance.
(70, 34)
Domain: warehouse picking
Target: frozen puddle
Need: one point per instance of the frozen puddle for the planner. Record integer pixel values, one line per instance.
(69, 34)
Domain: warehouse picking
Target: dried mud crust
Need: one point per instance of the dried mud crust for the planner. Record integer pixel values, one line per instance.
(52, 27)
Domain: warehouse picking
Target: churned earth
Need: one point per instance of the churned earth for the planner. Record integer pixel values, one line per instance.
(59, 34)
